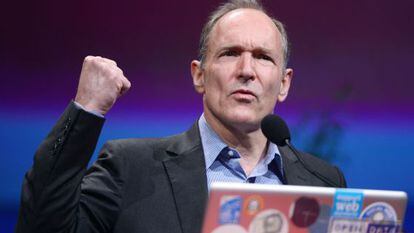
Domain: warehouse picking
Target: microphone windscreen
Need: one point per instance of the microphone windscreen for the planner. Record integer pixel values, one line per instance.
(275, 129)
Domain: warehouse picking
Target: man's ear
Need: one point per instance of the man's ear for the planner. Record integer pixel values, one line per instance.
(285, 85)
(198, 76)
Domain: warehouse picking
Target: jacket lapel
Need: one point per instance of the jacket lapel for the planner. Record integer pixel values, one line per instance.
(295, 173)
(185, 167)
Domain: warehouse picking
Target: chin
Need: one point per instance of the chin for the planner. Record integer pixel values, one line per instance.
(248, 118)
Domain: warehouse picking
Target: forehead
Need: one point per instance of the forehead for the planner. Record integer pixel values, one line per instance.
(248, 28)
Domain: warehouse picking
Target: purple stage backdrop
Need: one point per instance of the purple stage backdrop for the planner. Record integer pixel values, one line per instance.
(351, 101)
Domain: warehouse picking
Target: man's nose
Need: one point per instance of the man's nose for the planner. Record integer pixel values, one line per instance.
(246, 67)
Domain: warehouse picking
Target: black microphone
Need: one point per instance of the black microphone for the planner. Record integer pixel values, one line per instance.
(276, 131)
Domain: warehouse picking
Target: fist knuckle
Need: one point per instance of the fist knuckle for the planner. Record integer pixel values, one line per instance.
(106, 71)
(112, 61)
(87, 60)
(93, 62)
(119, 70)
(127, 82)
(119, 85)
(113, 73)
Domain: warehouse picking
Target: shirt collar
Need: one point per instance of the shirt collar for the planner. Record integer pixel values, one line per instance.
(213, 145)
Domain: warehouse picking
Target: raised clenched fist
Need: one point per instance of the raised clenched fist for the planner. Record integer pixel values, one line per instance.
(101, 83)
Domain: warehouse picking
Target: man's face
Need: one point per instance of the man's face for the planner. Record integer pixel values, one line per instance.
(243, 75)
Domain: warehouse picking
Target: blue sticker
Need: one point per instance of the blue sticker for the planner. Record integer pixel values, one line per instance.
(347, 203)
(379, 212)
(322, 223)
(384, 228)
(230, 207)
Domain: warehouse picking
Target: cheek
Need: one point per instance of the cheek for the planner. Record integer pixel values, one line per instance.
(271, 82)
(215, 81)
(271, 88)
(212, 90)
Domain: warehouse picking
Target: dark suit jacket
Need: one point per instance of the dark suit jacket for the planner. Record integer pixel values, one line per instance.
(136, 185)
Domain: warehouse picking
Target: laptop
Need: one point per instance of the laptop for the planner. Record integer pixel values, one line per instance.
(260, 208)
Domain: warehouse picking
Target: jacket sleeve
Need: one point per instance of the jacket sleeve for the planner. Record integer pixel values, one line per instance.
(51, 191)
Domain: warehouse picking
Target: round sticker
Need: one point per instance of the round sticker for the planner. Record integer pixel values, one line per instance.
(304, 211)
(379, 212)
(269, 221)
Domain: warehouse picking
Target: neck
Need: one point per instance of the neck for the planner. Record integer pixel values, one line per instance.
(248, 140)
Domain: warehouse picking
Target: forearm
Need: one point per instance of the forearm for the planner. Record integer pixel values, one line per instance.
(51, 189)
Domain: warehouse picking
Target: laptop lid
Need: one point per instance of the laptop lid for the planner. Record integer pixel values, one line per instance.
(260, 208)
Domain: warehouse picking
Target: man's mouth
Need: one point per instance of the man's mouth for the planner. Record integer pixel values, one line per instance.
(244, 94)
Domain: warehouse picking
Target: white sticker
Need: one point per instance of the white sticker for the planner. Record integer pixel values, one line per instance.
(347, 226)
(229, 228)
(269, 220)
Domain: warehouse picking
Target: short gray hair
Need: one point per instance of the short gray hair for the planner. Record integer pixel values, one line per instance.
(234, 5)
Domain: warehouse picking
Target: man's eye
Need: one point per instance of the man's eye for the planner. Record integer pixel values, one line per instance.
(230, 53)
(265, 57)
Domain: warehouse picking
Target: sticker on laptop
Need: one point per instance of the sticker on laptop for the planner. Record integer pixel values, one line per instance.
(347, 203)
(384, 227)
(337, 225)
(233, 228)
(269, 220)
(322, 222)
(304, 211)
(230, 209)
(253, 204)
(379, 212)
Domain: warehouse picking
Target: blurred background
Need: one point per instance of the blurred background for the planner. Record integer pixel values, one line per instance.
(351, 101)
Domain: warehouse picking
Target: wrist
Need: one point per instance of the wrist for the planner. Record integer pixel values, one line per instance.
(90, 109)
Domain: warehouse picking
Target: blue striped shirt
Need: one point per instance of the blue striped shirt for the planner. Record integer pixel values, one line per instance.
(223, 162)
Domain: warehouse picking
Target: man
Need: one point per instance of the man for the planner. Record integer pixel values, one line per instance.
(161, 185)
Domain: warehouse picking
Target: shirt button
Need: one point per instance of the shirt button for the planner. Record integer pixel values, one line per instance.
(230, 153)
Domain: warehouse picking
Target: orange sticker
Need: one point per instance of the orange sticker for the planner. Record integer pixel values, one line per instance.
(253, 204)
